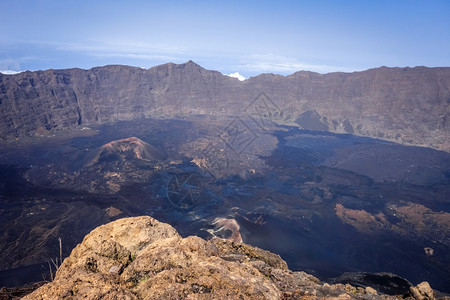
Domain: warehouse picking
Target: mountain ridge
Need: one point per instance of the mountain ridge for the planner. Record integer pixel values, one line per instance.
(404, 105)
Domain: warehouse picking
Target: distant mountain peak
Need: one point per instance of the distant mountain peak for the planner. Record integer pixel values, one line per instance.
(192, 63)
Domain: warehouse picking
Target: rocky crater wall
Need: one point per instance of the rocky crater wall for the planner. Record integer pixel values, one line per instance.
(406, 105)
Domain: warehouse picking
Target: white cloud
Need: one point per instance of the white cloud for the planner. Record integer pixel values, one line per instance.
(236, 75)
(112, 49)
(144, 54)
(108, 49)
(149, 57)
(10, 72)
(271, 63)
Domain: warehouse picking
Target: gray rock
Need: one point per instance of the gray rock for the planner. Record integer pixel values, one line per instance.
(406, 105)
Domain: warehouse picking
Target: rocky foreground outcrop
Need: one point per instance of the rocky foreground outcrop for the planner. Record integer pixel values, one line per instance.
(141, 258)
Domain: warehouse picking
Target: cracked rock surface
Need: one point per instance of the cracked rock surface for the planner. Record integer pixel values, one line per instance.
(142, 258)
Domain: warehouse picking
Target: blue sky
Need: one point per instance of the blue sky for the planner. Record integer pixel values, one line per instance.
(249, 37)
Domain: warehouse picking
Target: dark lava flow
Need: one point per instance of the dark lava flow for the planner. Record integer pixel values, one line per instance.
(327, 203)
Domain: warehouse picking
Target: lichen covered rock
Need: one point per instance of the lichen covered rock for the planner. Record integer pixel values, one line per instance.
(141, 258)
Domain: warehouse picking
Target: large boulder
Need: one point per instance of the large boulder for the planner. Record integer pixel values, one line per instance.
(141, 258)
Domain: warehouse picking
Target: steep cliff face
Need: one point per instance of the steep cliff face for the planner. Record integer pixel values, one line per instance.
(408, 105)
(141, 258)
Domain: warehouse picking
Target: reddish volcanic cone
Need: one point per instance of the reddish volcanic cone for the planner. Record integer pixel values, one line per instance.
(130, 148)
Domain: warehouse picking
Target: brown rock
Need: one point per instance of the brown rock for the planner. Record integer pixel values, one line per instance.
(133, 146)
(141, 258)
(371, 290)
(422, 291)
